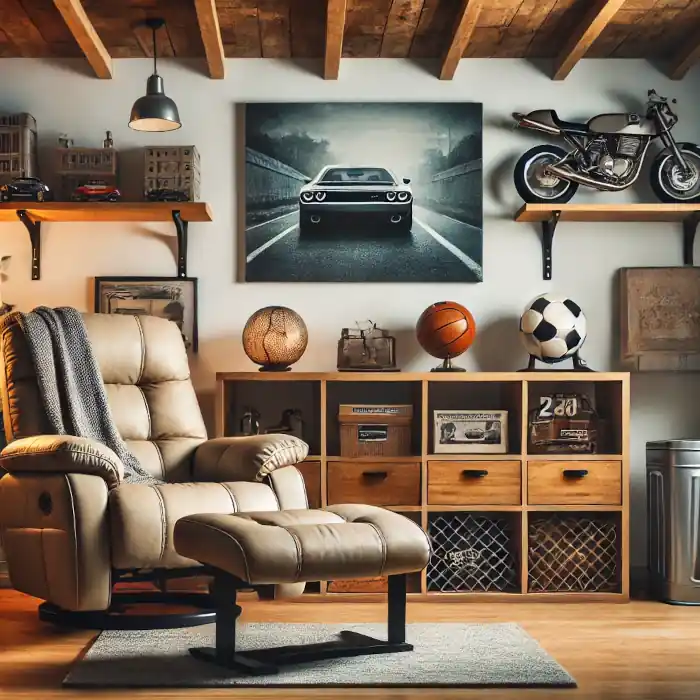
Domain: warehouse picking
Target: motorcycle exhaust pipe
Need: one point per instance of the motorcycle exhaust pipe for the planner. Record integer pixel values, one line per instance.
(568, 174)
(315, 219)
(524, 121)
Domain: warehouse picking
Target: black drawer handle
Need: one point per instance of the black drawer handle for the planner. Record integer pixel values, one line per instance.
(475, 473)
(375, 474)
(575, 473)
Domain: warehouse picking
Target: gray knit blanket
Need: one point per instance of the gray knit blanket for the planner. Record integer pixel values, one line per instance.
(70, 383)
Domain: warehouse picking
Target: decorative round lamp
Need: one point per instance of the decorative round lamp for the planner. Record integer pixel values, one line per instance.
(154, 111)
(275, 337)
(445, 330)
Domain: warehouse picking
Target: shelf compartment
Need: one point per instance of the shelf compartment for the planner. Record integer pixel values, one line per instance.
(311, 473)
(270, 402)
(605, 398)
(474, 551)
(574, 552)
(477, 396)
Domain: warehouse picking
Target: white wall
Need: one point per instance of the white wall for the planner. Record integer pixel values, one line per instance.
(63, 98)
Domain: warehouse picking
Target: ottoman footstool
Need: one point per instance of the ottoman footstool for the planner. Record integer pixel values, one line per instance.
(339, 542)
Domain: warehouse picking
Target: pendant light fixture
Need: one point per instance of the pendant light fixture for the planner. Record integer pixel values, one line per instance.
(154, 111)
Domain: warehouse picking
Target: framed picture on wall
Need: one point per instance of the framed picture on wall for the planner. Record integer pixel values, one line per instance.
(174, 298)
(362, 192)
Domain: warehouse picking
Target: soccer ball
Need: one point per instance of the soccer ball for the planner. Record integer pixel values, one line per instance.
(552, 328)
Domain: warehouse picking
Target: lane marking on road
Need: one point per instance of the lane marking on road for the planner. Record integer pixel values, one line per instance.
(265, 223)
(457, 221)
(461, 256)
(272, 241)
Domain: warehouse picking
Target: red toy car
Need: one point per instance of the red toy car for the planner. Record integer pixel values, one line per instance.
(96, 191)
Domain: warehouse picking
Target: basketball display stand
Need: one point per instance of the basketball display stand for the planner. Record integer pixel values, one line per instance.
(579, 365)
(447, 366)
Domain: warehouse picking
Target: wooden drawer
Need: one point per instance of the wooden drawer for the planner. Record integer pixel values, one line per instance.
(574, 483)
(311, 471)
(474, 483)
(374, 483)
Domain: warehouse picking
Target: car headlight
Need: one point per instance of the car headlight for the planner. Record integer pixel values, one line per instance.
(4, 188)
(307, 196)
(391, 196)
(320, 196)
(403, 196)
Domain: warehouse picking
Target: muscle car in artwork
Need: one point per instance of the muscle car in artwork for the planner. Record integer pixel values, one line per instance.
(347, 194)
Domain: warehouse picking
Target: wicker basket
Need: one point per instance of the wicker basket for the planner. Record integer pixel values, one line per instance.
(573, 553)
(472, 552)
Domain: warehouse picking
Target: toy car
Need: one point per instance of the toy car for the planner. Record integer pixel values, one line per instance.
(165, 194)
(96, 191)
(26, 188)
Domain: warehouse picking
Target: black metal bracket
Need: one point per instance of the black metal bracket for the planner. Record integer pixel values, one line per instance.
(34, 230)
(690, 227)
(181, 228)
(548, 228)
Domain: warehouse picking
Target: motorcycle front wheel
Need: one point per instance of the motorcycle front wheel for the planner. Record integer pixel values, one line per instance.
(670, 183)
(536, 186)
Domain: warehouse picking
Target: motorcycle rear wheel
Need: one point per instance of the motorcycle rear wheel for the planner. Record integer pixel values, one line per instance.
(669, 184)
(534, 186)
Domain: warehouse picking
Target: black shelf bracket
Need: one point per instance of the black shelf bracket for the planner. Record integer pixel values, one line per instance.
(34, 230)
(181, 228)
(548, 227)
(690, 227)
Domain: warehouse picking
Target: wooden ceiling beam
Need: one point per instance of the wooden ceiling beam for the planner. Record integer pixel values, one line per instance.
(464, 27)
(687, 56)
(335, 28)
(211, 37)
(583, 37)
(86, 37)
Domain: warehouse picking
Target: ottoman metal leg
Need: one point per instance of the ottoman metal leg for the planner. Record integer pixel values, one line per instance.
(268, 661)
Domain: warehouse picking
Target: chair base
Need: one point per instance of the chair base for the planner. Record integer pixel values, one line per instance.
(260, 662)
(114, 618)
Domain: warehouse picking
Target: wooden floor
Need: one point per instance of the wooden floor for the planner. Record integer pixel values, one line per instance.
(640, 651)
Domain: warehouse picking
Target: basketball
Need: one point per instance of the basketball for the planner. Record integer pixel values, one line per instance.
(275, 337)
(445, 329)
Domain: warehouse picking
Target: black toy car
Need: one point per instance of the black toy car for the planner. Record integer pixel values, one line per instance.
(165, 194)
(25, 188)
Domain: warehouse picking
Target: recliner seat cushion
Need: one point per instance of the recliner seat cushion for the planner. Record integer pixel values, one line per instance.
(342, 541)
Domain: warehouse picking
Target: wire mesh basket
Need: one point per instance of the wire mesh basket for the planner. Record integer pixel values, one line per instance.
(472, 552)
(573, 553)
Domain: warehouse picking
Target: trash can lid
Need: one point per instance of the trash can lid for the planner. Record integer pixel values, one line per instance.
(680, 444)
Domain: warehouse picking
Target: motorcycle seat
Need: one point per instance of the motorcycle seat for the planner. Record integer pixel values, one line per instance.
(576, 127)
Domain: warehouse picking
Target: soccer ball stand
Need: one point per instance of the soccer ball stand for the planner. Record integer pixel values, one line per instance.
(553, 329)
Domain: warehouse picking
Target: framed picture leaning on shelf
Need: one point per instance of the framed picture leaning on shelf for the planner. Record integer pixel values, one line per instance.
(173, 298)
(470, 431)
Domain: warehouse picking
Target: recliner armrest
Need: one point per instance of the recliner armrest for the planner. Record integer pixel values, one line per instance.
(249, 458)
(62, 454)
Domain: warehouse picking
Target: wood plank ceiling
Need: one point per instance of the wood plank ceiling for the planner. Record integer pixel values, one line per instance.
(664, 31)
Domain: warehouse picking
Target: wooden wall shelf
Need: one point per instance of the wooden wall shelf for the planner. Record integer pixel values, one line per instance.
(521, 489)
(549, 215)
(33, 214)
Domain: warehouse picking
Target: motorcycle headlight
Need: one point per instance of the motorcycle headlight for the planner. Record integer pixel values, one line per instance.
(391, 196)
(320, 196)
(403, 196)
(307, 196)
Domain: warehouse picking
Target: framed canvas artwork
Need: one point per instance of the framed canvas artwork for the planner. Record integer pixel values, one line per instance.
(368, 192)
(174, 298)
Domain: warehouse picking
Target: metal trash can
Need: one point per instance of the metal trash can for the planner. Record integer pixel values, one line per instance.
(673, 520)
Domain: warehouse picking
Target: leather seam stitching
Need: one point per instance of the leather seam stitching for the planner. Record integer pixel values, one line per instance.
(383, 542)
(148, 411)
(300, 555)
(160, 457)
(425, 534)
(271, 486)
(234, 540)
(75, 539)
(234, 503)
(162, 521)
(142, 348)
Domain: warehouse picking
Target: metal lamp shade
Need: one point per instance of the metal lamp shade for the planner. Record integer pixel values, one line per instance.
(154, 111)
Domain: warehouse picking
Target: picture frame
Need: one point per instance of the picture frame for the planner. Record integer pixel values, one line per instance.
(470, 432)
(173, 298)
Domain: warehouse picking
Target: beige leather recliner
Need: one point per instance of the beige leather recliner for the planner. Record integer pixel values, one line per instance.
(70, 526)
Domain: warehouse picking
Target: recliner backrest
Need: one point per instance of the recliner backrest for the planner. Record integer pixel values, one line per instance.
(147, 378)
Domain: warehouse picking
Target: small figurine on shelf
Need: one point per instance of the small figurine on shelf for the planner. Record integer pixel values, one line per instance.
(96, 191)
(64, 141)
(109, 141)
(250, 422)
(26, 188)
(366, 349)
(291, 424)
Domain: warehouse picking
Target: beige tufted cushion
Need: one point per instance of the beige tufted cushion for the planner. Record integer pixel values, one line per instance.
(146, 374)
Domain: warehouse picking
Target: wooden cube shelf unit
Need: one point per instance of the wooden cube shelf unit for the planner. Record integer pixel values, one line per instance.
(525, 524)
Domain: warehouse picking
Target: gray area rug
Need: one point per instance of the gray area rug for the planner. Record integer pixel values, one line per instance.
(463, 655)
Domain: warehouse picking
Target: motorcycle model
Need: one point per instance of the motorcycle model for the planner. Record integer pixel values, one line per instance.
(607, 154)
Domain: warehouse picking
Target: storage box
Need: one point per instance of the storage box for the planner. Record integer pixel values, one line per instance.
(17, 147)
(173, 168)
(375, 430)
(462, 432)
